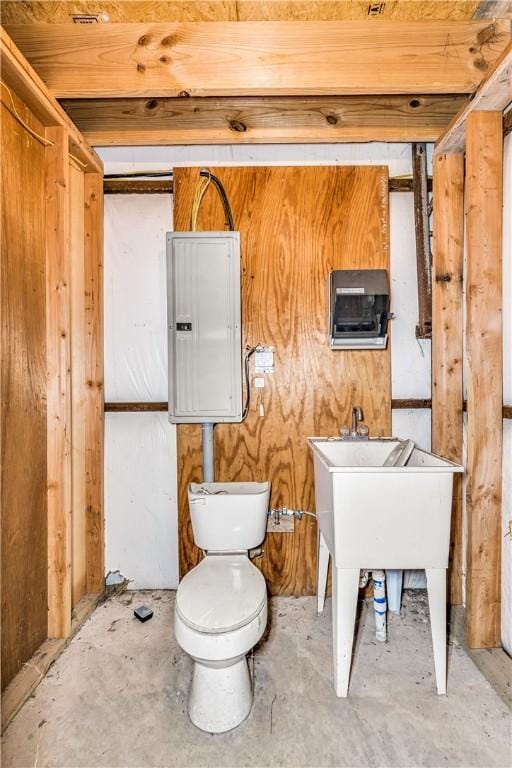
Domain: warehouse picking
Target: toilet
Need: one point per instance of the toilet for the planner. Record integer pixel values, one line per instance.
(221, 604)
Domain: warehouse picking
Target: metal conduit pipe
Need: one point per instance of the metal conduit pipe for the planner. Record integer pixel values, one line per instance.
(208, 453)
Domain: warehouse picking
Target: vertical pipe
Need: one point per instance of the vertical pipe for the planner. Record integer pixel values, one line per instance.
(208, 453)
(379, 604)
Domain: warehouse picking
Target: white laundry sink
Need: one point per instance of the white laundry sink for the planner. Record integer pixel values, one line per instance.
(375, 517)
(382, 517)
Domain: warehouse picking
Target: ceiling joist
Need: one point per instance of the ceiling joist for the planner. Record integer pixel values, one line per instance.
(256, 120)
(262, 58)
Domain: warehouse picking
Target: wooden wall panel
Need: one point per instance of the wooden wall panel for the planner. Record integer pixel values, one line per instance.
(484, 368)
(447, 395)
(24, 566)
(78, 389)
(296, 225)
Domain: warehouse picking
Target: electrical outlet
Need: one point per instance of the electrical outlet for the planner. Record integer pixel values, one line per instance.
(286, 524)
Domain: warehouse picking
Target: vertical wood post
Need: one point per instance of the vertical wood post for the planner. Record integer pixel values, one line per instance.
(422, 231)
(484, 185)
(94, 435)
(447, 353)
(58, 352)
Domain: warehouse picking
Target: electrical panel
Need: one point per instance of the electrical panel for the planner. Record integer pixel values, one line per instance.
(204, 327)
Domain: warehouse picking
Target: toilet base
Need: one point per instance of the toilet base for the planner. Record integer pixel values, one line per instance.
(220, 698)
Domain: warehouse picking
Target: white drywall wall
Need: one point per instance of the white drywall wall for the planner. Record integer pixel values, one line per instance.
(141, 522)
(140, 449)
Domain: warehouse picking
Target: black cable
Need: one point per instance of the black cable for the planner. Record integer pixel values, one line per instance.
(223, 197)
(249, 352)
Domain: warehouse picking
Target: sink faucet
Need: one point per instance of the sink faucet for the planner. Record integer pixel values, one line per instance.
(360, 432)
(357, 415)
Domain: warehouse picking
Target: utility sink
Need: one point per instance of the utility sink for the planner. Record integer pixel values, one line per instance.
(373, 516)
(379, 517)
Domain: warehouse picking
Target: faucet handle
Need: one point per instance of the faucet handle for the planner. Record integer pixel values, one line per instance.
(363, 430)
(345, 431)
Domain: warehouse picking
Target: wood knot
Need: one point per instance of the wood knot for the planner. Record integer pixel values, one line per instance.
(144, 40)
(184, 94)
(443, 278)
(415, 103)
(141, 67)
(331, 119)
(486, 34)
(151, 104)
(237, 126)
(168, 41)
(480, 64)
(165, 59)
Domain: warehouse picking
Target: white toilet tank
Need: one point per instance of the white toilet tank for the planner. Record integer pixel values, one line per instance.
(228, 517)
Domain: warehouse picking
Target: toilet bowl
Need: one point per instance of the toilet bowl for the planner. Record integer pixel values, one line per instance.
(221, 604)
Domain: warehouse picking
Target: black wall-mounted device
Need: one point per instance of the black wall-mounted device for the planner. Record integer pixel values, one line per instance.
(358, 308)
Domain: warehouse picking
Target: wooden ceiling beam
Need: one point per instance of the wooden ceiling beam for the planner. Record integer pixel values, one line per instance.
(494, 94)
(257, 120)
(261, 58)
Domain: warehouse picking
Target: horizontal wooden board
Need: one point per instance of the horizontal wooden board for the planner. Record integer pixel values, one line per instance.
(15, 12)
(494, 93)
(262, 58)
(292, 119)
(31, 674)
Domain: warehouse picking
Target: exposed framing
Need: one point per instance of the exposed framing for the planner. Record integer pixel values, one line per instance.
(65, 145)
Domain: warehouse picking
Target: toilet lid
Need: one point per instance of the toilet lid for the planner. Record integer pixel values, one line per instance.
(222, 593)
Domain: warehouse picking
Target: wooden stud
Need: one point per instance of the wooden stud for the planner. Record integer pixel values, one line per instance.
(261, 58)
(447, 396)
(58, 352)
(257, 120)
(94, 434)
(484, 173)
(78, 385)
(422, 232)
(494, 93)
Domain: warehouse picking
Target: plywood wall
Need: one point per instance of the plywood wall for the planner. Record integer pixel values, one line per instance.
(23, 479)
(296, 225)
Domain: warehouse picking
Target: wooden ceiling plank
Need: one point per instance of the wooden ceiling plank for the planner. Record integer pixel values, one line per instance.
(19, 76)
(141, 11)
(258, 120)
(261, 58)
(494, 94)
(493, 9)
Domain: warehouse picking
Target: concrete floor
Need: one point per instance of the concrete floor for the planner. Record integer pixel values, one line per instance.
(117, 696)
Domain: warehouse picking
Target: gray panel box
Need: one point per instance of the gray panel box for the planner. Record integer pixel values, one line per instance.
(204, 327)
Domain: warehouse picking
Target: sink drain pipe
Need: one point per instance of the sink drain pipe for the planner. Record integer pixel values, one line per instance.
(379, 604)
(208, 452)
